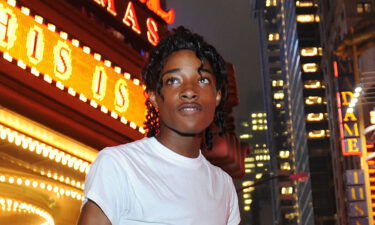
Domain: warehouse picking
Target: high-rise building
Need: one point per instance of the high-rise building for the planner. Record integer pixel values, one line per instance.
(316, 117)
(284, 101)
(255, 199)
(348, 37)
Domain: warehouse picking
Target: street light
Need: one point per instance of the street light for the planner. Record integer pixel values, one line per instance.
(296, 176)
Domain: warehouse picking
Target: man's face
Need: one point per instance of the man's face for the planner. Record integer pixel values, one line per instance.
(189, 94)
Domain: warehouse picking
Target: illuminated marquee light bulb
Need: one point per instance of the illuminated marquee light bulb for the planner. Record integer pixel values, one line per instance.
(39, 19)
(12, 205)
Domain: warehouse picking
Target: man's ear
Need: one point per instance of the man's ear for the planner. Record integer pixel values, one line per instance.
(218, 97)
(152, 97)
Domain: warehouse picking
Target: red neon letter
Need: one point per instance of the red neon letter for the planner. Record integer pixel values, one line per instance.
(154, 5)
(130, 18)
(4, 24)
(152, 31)
(110, 5)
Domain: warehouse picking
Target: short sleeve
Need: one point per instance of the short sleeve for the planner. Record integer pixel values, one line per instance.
(234, 216)
(106, 184)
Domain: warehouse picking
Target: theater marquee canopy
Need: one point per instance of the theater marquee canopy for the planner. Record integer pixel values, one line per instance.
(48, 52)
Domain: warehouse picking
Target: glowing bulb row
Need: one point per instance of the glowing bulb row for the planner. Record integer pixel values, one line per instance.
(11, 205)
(86, 50)
(65, 180)
(60, 191)
(43, 149)
(55, 176)
(354, 100)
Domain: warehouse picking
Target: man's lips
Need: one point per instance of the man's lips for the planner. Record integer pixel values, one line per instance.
(190, 107)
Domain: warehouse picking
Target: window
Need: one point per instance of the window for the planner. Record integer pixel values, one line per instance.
(304, 3)
(278, 95)
(313, 100)
(287, 190)
(273, 36)
(285, 166)
(316, 134)
(363, 7)
(277, 83)
(314, 117)
(284, 154)
(271, 3)
(308, 18)
(311, 51)
(310, 67)
(313, 84)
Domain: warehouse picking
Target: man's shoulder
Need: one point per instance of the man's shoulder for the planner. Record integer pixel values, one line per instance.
(128, 149)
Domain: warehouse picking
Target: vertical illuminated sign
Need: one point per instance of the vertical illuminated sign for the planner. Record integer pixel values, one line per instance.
(348, 119)
(356, 195)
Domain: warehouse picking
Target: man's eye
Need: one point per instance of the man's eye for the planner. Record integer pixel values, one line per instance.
(204, 80)
(171, 80)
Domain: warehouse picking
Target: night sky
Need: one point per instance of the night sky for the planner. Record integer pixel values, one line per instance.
(229, 27)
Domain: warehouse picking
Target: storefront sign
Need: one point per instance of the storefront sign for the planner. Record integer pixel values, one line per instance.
(349, 127)
(136, 18)
(68, 66)
(356, 195)
(348, 118)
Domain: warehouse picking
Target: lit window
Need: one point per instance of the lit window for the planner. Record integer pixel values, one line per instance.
(260, 165)
(258, 175)
(310, 67)
(284, 154)
(253, 115)
(304, 3)
(245, 136)
(273, 36)
(246, 196)
(364, 7)
(249, 159)
(287, 190)
(248, 171)
(250, 165)
(314, 117)
(316, 134)
(246, 208)
(308, 18)
(271, 3)
(285, 166)
(314, 100)
(255, 127)
(313, 84)
(311, 51)
(279, 105)
(278, 95)
(247, 183)
(277, 83)
(245, 124)
(248, 201)
(372, 117)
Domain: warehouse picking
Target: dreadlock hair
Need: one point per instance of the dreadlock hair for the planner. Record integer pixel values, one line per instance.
(183, 39)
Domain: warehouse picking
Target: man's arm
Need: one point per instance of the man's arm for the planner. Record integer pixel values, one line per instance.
(91, 214)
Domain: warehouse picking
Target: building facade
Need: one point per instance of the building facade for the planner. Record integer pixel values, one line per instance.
(283, 85)
(69, 86)
(348, 37)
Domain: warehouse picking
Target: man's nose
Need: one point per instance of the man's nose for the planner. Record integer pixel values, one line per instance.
(189, 93)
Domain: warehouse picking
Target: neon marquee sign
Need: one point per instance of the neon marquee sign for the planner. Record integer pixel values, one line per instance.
(132, 16)
(69, 66)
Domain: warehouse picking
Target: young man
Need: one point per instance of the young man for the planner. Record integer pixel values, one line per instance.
(165, 179)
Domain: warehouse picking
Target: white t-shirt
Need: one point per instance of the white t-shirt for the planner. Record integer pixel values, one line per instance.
(144, 182)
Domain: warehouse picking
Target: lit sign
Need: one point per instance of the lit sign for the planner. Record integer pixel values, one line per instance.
(348, 119)
(136, 18)
(65, 64)
(349, 127)
(356, 195)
